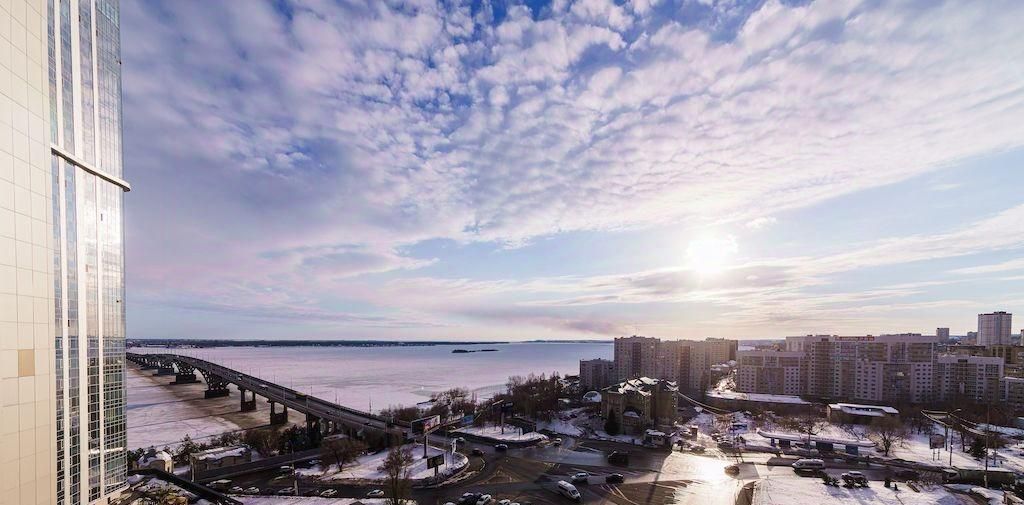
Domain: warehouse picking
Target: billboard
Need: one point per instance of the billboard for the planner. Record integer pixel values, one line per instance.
(435, 461)
(936, 441)
(425, 424)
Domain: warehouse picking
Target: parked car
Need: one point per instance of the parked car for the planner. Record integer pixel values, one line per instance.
(580, 477)
(460, 440)
(236, 490)
(614, 478)
(286, 468)
(506, 501)
(557, 441)
(221, 484)
(854, 478)
(252, 490)
(329, 493)
(477, 452)
(376, 493)
(484, 499)
(285, 491)
(568, 490)
(501, 447)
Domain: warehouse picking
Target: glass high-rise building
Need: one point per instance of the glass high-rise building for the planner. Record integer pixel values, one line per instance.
(62, 318)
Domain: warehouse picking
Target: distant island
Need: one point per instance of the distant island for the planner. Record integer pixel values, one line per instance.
(466, 351)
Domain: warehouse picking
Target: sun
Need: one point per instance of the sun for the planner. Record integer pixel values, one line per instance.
(710, 255)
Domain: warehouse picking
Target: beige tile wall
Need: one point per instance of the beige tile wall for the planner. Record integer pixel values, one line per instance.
(27, 440)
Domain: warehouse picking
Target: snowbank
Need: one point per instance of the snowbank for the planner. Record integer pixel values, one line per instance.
(792, 490)
(494, 433)
(304, 500)
(367, 468)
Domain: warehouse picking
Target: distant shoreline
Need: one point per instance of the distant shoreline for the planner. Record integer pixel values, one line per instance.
(206, 343)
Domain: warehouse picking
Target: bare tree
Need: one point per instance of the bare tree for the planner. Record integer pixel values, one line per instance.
(341, 450)
(265, 441)
(886, 432)
(806, 424)
(396, 469)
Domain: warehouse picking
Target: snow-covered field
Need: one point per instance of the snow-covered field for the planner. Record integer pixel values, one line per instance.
(795, 490)
(511, 433)
(368, 467)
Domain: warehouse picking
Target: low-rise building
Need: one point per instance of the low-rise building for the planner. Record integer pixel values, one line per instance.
(219, 457)
(640, 404)
(156, 460)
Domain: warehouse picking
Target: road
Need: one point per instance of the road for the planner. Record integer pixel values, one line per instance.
(530, 475)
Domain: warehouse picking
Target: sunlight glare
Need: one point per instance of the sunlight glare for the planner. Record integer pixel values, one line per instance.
(710, 255)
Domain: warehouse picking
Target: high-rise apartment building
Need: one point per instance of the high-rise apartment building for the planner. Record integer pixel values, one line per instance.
(994, 328)
(62, 318)
(596, 374)
(942, 334)
(771, 372)
(974, 379)
(635, 357)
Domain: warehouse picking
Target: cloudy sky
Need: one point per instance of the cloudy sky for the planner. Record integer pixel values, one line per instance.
(495, 170)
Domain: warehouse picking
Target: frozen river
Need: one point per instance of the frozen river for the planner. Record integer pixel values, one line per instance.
(361, 377)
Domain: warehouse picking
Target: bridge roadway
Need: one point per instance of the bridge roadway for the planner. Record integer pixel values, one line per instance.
(307, 404)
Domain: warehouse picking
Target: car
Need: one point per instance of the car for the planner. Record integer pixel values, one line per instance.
(732, 470)
(286, 468)
(614, 478)
(236, 490)
(484, 499)
(448, 503)
(477, 452)
(580, 477)
(568, 490)
(557, 441)
(221, 484)
(501, 447)
(725, 444)
(329, 493)
(697, 448)
(619, 458)
(376, 493)
(506, 501)
(313, 462)
(460, 440)
(285, 491)
(854, 478)
(468, 498)
(907, 474)
(252, 490)
(808, 464)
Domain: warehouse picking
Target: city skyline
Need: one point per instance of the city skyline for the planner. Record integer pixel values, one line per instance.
(671, 169)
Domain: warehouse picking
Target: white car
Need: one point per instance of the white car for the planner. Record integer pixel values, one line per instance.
(236, 490)
(557, 441)
(376, 493)
(484, 499)
(252, 490)
(506, 501)
(568, 490)
(580, 477)
(329, 493)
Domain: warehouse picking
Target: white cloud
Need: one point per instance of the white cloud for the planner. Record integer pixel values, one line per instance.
(761, 222)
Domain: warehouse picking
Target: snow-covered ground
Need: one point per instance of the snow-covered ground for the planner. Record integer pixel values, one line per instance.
(511, 433)
(367, 468)
(794, 490)
(560, 426)
(159, 414)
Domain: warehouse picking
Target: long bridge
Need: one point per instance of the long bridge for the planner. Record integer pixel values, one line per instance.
(322, 417)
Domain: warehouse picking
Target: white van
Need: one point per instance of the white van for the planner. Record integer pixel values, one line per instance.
(808, 464)
(568, 490)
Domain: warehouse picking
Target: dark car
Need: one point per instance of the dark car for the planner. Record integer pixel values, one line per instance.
(615, 478)
(477, 452)
(468, 498)
(732, 470)
(619, 458)
(500, 447)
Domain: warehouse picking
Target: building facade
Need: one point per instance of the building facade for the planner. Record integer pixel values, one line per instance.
(994, 328)
(974, 379)
(640, 404)
(635, 357)
(61, 251)
(942, 334)
(596, 374)
(771, 372)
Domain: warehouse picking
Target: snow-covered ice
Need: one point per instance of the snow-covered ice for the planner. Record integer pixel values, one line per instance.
(792, 490)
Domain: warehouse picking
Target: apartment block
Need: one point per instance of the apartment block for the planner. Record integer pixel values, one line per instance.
(994, 328)
(975, 379)
(596, 374)
(771, 372)
(635, 357)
